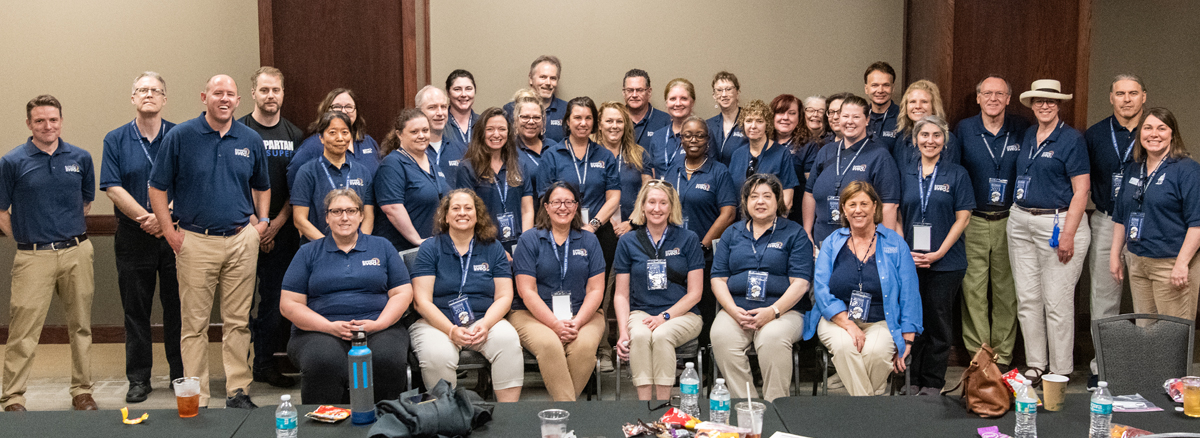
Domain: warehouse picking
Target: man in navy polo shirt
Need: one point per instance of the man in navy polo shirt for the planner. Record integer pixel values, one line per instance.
(646, 119)
(281, 240)
(878, 80)
(142, 254)
(543, 79)
(49, 184)
(217, 169)
(435, 104)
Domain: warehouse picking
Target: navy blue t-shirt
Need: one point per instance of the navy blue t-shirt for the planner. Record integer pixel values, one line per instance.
(319, 177)
(774, 159)
(949, 193)
(128, 158)
(498, 196)
(873, 164)
(782, 253)
(365, 152)
(846, 276)
(1110, 148)
(881, 127)
(665, 149)
(679, 247)
(46, 192)
(400, 180)
(1170, 203)
(343, 286)
(1000, 163)
(645, 129)
(703, 196)
(485, 263)
(553, 121)
(597, 171)
(631, 182)
(535, 256)
(721, 147)
(211, 175)
(1050, 167)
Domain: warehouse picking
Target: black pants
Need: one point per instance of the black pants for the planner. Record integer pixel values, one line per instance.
(708, 301)
(322, 359)
(268, 329)
(142, 260)
(939, 292)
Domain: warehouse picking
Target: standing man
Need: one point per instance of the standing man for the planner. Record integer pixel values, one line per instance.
(281, 241)
(879, 79)
(448, 149)
(142, 254)
(1110, 146)
(991, 142)
(646, 119)
(543, 79)
(217, 170)
(49, 184)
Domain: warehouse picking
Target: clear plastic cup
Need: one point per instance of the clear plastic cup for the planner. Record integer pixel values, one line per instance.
(1191, 396)
(187, 396)
(750, 416)
(554, 423)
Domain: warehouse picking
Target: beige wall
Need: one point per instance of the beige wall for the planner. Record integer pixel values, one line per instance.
(801, 47)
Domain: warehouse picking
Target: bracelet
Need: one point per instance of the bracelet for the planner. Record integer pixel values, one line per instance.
(776, 311)
(908, 342)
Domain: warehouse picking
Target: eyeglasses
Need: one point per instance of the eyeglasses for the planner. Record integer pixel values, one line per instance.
(343, 211)
(530, 118)
(694, 137)
(154, 91)
(832, 112)
(635, 90)
(813, 111)
(1049, 102)
(348, 108)
(723, 91)
(991, 94)
(566, 203)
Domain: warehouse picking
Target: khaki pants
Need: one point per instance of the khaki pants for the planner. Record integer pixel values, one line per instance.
(1106, 292)
(565, 368)
(863, 372)
(1045, 289)
(1150, 282)
(987, 263)
(439, 356)
(37, 276)
(652, 352)
(773, 344)
(206, 265)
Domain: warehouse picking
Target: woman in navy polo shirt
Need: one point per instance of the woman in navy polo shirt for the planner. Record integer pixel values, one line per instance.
(462, 287)
(560, 279)
(856, 157)
(460, 89)
(801, 127)
(761, 268)
(725, 135)
(408, 184)
(1045, 231)
(364, 149)
(680, 100)
(833, 117)
(762, 155)
(341, 283)
(920, 100)
(659, 272)
(491, 168)
(1158, 221)
(936, 208)
(329, 172)
(868, 309)
(616, 135)
(529, 122)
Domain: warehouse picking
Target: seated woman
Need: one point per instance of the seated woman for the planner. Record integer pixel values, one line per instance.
(462, 269)
(332, 170)
(865, 298)
(560, 277)
(762, 266)
(345, 282)
(659, 271)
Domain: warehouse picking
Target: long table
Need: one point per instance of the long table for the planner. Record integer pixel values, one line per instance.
(107, 423)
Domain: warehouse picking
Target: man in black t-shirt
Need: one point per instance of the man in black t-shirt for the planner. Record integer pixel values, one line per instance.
(281, 240)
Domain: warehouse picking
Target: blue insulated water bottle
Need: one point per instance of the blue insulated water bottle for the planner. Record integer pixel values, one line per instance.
(362, 381)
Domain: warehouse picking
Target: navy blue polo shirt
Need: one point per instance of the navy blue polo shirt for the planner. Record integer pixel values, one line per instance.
(400, 180)
(782, 253)
(1171, 205)
(719, 146)
(666, 148)
(1000, 163)
(645, 129)
(882, 126)
(450, 154)
(845, 278)
(212, 176)
(874, 165)
(703, 196)
(948, 194)
(554, 115)
(597, 170)
(46, 192)
(313, 183)
(802, 161)
(531, 166)
(773, 159)
(535, 256)
(1062, 156)
(461, 134)
(366, 152)
(679, 247)
(345, 286)
(494, 191)
(631, 181)
(438, 258)
(907, 155)
(128, 158)
(1110, 147)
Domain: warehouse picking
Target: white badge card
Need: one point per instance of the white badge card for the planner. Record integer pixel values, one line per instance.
(835, 214)
(922, 237)
(860, 304)
(656, 274)
(685, 222)
(1116, 190)
(561, 304)
(1022, 188)
(756, 282)
(506, 224)
(461, 309)
(996, 190)
(587, 217)
(1134, 226)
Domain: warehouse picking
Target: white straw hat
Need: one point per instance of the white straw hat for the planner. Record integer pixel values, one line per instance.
(1048, 88)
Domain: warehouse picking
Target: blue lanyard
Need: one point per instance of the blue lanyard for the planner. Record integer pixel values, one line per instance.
(837, 170)
(562, 278)
(922, 192)
(330, 177)
(466, 264)
(721, 149)
(1145, 182)
(1117, 147)
(503, 193)
(587, 152)
(657, 245)
(754, 243)
(141, 140)
(432, 169)
(466, 135)
(1003, 148)
(671, 156)
(1034, 154)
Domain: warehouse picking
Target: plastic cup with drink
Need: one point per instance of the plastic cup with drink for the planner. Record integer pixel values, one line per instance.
(187, 396)
(1191, 396)
(554, 423)
(750, 416)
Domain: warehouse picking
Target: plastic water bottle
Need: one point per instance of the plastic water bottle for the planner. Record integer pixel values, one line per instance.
(689, 386)
(362, 381)
(1102, 407)
(1026, 413)
(285, 418)
(718, 403)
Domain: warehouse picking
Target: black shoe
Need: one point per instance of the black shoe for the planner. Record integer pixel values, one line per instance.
(1093, 382)
(275, 378)
(240, 400)
(138, 392)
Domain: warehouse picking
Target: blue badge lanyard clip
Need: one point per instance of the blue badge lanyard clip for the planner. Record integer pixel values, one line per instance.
(925, 194)
(466, 265)
(754, 243)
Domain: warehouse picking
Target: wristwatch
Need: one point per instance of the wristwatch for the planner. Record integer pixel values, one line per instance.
(595, 223)
(776, 311)
(666, 316)
(265, 220)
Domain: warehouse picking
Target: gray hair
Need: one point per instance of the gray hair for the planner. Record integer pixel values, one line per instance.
(812, 100)
(1127, 77)
(424, 92)
(979, 85)
(150, 74)
(932, 120)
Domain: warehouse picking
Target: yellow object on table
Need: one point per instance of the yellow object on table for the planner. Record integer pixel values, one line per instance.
(125, 417)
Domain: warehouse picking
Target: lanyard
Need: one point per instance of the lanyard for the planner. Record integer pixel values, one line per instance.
(922, 192)
(721, 149)
(575, 161)
(837, 170)
(466, 264)
(432, 176)
(1145, 183)
(667, 157)
(141, 140)
(657, 245)
(1003, 149)
(859, 261)
(1034, 154)
(464, 134)
(562, 277)
(1116, 147)
(754, 243)
(329, 177)
(503, 193)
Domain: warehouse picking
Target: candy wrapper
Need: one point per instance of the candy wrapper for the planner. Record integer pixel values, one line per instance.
(991, 432)
(710, 429)
(658, 430)
(1123, 431)
(1174, 388)
(678, 419)
(329, 414)
(1015, 380)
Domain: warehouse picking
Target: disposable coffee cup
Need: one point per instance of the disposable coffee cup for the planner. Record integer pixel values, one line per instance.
(1054, 391)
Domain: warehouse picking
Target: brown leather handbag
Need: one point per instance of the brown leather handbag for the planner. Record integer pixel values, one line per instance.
(984, 390)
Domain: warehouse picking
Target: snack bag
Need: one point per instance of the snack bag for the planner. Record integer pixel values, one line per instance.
(678, 419)
(329, 414)
(1123, 431)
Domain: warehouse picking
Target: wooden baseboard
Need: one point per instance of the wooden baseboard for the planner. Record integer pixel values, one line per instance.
(104, 334)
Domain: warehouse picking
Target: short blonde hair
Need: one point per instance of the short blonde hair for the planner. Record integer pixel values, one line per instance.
(639, 214)
(854, 188)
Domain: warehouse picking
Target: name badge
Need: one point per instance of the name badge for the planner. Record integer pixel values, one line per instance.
(860, 305)
(507, 230)
(461, 309)
(756, 289)
(1116, 185)
(835, 214)
(656, 274)
(996, 192)
(922, 237)
(1022, 188)
(587, 217)
(685, 223)
(1134, 226)
(561, 304)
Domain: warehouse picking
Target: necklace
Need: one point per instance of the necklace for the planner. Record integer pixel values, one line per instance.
(691, 170)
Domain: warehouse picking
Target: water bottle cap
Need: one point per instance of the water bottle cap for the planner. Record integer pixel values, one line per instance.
(720, 381)
(285, 397)
(690, 365)
(1103, 384)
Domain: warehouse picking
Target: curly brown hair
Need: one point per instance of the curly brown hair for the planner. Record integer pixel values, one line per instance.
(485, 231)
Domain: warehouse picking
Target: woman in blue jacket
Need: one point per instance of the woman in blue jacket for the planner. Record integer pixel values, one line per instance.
(865, 287)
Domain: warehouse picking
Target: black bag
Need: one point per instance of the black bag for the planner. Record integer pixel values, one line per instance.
(447, 413)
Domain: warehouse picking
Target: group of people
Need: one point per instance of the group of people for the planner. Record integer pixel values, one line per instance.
(853, 219)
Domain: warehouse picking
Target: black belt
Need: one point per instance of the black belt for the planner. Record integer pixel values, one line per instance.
(1040, 211)
(54, 246)
(990, 215)
(208, 232)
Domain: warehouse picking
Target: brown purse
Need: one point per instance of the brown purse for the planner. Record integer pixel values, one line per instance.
(983, 388)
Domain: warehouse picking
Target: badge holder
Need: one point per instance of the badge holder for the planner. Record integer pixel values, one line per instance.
(461, 309)
(1135, 226)
(685, 223)
(922, 237)
(860, 305)
(1054, 233)
(835, 213)
(996, 191)
(756, 289)
(587, 217)
(561, 304)
(1116, 188)
(656, 274)
(506, 224)
(1022, 188)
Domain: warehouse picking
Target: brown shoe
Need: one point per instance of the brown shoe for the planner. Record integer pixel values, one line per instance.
(84, 402)
(15, 407)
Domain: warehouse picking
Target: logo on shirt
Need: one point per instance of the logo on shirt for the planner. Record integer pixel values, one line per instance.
(243, 152)
(441, 174)
(891, 250)
(1013, 148)
(556, 123)
(482, 267)
(889, 134)
(859, 168)
(355, 182)
(1160, 179)
(1048, 154)
(372, 262)
(452, 162)
(649, 133)
(704, 187)
(579, 252)
(737, 134)
(367, 151)
(278, 145)
(72, 168)
(942, 188)
(775, 245)
(671, 252)
(597, 165)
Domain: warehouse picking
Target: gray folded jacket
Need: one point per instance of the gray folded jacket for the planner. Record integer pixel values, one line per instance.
(446, 412)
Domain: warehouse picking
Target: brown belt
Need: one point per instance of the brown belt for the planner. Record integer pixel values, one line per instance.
(1040, 211)
(990, 215)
